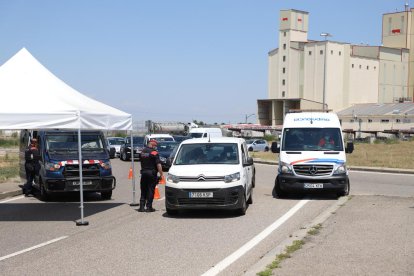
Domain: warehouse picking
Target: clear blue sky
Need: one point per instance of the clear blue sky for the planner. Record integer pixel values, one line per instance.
(174, 60)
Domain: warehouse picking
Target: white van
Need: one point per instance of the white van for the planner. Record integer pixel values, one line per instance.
(210, 173)
(201, 132)
(158, 137)
(312, 155)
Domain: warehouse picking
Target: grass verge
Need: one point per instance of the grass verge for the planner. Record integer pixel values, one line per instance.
(386, 155)
(296, 245)
(9, 166)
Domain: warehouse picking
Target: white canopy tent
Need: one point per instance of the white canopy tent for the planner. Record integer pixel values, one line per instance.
(34, 98)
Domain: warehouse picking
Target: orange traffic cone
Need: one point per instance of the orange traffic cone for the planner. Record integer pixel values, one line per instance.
(157, 193)
(162, 180)
(130, 173)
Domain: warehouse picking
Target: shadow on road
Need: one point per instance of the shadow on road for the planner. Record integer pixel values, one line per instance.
(61, 209)
(203, 214)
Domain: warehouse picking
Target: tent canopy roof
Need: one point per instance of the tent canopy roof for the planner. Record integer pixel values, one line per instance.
(34, 98)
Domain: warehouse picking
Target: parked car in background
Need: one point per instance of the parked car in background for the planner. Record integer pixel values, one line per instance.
(125, 150)
(164, 150)
(111, 151)
(257, 145)
(158, 138)
(115, 142)
(201, 132)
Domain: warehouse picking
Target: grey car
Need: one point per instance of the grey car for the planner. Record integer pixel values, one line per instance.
(257, 145)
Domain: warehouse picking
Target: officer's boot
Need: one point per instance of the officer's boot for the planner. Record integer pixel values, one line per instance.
(141, 206)
(150, 209)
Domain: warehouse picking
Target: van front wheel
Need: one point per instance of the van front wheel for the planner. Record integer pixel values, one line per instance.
(44, 196)
(106, 195)
(345, 191)
(243, 208)
(277, 191)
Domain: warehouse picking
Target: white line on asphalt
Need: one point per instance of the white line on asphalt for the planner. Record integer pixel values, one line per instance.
(32, 248)
(391, 173)
(12, 199)
(253, 242)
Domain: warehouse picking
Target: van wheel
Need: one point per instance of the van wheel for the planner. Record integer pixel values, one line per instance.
(345, 191)
(44, 196)
(250, 200)
(106, 195)
(266, 149)
(242, 210)
(171, 212)
(124, 156)
(250, 149)
(254, 179)
(277, 192)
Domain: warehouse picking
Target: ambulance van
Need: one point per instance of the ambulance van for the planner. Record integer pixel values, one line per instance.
(312, 155)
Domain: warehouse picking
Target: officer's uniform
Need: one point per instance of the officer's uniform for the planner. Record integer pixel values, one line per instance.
(31, 166)
(149, 179)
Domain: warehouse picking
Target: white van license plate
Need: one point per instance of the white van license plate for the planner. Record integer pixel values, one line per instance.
(87, 182)
(313, 186)
(201, 194)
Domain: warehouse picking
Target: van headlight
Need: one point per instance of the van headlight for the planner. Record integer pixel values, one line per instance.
(340, 170)
(232, 177)
(106, 165)
(285, 168)
(163, 159)
(52, 166)
(173, 178)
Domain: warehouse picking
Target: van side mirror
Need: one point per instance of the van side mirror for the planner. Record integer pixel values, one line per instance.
(349, 147)
(275, 148)
(248, 162)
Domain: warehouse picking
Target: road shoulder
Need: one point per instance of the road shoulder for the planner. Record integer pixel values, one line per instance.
(368, 235)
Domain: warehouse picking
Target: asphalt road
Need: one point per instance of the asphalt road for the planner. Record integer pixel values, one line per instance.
(120, 240)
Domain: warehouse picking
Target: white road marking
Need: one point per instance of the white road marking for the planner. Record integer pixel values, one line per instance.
(32, 248)
(12, 199)
(253, 242)
(391, 173)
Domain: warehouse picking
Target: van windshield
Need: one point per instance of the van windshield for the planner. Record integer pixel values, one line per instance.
(196, 135)
(69, 143)
(312, 139)
(207, 153)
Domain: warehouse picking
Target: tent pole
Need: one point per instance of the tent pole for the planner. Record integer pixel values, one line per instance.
(81, 222)
(134, 203)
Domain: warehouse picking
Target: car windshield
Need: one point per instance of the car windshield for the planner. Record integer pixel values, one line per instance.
(207, 153)
(115, 141)
(164, 139)
(138, 140)
(181, 138)
(312, 139)
(166, 146)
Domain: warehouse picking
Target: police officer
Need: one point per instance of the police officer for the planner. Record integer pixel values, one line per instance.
(31, 165)
(150, 165)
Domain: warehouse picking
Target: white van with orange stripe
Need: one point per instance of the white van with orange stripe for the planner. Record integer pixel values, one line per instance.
(311, 155)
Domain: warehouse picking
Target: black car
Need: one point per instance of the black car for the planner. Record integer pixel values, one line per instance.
(125, 151)
(164, 150)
